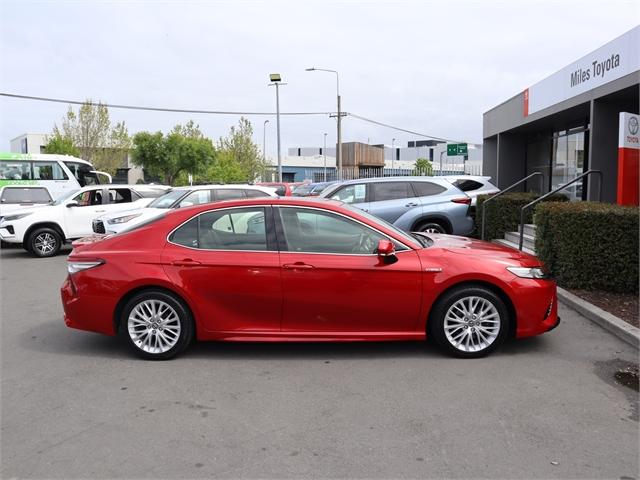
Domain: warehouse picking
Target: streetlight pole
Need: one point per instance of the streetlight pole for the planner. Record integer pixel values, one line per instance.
(324, 154)
(393, 156)
(339, 118)
(441, 153)
(264, 140)
(276, 79)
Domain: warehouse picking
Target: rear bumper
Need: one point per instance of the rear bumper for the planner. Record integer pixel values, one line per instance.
(86, 312)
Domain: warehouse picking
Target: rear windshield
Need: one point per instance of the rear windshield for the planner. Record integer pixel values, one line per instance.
(467, 185)
(25, 195)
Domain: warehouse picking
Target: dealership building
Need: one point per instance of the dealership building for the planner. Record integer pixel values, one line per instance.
(582, 117)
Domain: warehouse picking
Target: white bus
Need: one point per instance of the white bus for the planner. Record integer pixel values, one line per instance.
(59, 173)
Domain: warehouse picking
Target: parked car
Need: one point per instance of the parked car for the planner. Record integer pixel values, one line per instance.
(283, 189)
(20, 197)
(177, 198)
(43, 230)
(285, 269)
(311, 189)
(413, 204)
(473, 185)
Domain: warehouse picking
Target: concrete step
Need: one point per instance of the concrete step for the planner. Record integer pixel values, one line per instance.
(514, 237)
(529, 229)
(507, 243)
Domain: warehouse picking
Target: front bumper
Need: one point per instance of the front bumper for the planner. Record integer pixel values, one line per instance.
(8, 234)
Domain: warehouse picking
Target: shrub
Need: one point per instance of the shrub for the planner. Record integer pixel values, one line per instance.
(503, 213)
(589, 245)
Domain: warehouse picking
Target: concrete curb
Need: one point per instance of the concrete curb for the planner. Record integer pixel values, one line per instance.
(613, 324)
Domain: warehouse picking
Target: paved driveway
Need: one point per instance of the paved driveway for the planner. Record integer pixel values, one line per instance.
(76, 404)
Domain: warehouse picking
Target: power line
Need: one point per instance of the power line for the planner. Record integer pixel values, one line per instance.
(375, 122)
(155, 109)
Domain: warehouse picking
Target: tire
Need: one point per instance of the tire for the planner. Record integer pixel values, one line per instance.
(44, 242)
(431, 226)
(457, 333)
(165, 341)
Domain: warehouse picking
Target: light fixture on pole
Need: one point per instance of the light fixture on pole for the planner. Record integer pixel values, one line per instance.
(276, 79)
(339, 118)
(324, 154)
(264, 140)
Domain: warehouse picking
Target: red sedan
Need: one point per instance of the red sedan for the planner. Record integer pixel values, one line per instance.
(301, 270)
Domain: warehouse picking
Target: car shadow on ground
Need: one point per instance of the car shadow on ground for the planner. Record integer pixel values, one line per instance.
(19, 252)
(54, 337)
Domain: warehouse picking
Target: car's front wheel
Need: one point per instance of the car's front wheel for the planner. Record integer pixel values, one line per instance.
(44, 242)
(469, 321)
(156, 325)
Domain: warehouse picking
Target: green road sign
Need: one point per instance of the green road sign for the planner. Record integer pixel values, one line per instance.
(454, 149)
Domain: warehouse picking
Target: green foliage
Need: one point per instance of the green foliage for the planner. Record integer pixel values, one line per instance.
(61, 145)
(95, 139)
(589, 245)
(423, 167)
(184, 150)
(239, 153)
(503, 213)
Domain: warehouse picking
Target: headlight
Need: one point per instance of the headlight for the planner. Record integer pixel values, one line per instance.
(124, 219)
(529, 272)
(78, 266)
(10, 218)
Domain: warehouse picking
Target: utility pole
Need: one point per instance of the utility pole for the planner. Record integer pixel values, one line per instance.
(441, 153)
(276, 79)
(324, 154)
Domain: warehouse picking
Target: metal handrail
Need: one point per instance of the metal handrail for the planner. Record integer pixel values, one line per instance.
(484, 204)
(546, 195)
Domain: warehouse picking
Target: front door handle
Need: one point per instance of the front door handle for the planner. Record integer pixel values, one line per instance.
(185, 262)
(297, 266)
(411, 204)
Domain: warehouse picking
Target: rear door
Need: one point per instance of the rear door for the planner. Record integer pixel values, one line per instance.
(391, 200)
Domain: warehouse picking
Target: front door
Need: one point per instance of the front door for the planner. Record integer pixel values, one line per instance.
(334, 282)
(229, 268)
(88, 205)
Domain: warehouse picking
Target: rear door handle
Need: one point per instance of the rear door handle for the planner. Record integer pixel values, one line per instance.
(186, 262)
(297, 266)
(411, 204)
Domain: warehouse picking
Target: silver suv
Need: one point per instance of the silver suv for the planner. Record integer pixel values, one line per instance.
(413, 204)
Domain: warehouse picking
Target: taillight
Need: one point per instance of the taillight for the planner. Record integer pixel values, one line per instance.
(465, 200)
(75, 266)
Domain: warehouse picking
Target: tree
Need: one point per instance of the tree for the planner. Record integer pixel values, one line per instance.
(61, 145)
(240, 148)
(184, 150)
(423, 167)
(94, 138)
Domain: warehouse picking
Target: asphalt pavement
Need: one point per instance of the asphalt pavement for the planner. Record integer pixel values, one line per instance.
(78, 405)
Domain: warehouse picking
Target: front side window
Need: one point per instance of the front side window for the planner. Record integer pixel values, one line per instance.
(25, 195)
(197, 197)
(48, 171)
(351, 194)
(15, 171)
(391, 191)
(91, 197)
(236, 229)
(316, 231)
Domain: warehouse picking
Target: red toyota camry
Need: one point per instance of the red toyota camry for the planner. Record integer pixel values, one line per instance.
(301, 270)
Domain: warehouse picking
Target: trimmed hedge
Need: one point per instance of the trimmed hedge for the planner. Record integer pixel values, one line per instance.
(503, 213)
(589, 245)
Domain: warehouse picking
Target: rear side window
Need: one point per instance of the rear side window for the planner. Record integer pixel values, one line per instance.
(120, 195)
(187, 234)
(467, 185)
(426, 189)
(256, 193)
(390, 191)
(25, 195)
(228, 193)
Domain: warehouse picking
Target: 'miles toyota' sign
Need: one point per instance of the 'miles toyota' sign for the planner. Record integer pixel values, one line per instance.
(614, 60)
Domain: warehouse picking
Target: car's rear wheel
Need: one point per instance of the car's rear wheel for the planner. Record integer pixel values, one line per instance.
(431, 226)
(156, 325)
(44, 242)
(469, 321)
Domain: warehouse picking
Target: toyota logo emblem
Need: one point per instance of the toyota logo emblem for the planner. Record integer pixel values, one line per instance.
(633, 125)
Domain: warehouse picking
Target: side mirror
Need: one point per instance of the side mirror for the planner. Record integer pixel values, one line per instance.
(387, 251)
(72, 204)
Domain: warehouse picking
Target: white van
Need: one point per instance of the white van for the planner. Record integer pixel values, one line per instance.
(60, 174)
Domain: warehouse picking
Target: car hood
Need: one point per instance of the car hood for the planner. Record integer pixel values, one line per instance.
(470, 246)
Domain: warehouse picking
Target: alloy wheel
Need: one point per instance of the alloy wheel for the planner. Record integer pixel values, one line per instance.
(472, 324)
(45, 243)
(154, 326)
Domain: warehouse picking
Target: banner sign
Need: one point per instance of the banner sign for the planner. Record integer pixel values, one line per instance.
(628, 159)
(614, 60)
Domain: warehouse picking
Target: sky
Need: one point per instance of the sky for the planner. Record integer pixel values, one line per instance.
(428, 66)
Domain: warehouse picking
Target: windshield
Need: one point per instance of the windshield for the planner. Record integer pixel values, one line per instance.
(168, 199)
(406, 238)
(63, 198)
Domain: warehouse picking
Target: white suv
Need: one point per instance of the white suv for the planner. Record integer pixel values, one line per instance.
(178, 198)
(43, 230)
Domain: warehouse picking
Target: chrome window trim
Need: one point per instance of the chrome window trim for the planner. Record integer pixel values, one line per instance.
(216, 249)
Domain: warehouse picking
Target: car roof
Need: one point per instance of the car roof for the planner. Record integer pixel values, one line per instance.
(225, 185)
(441, 180)
(484, 178)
